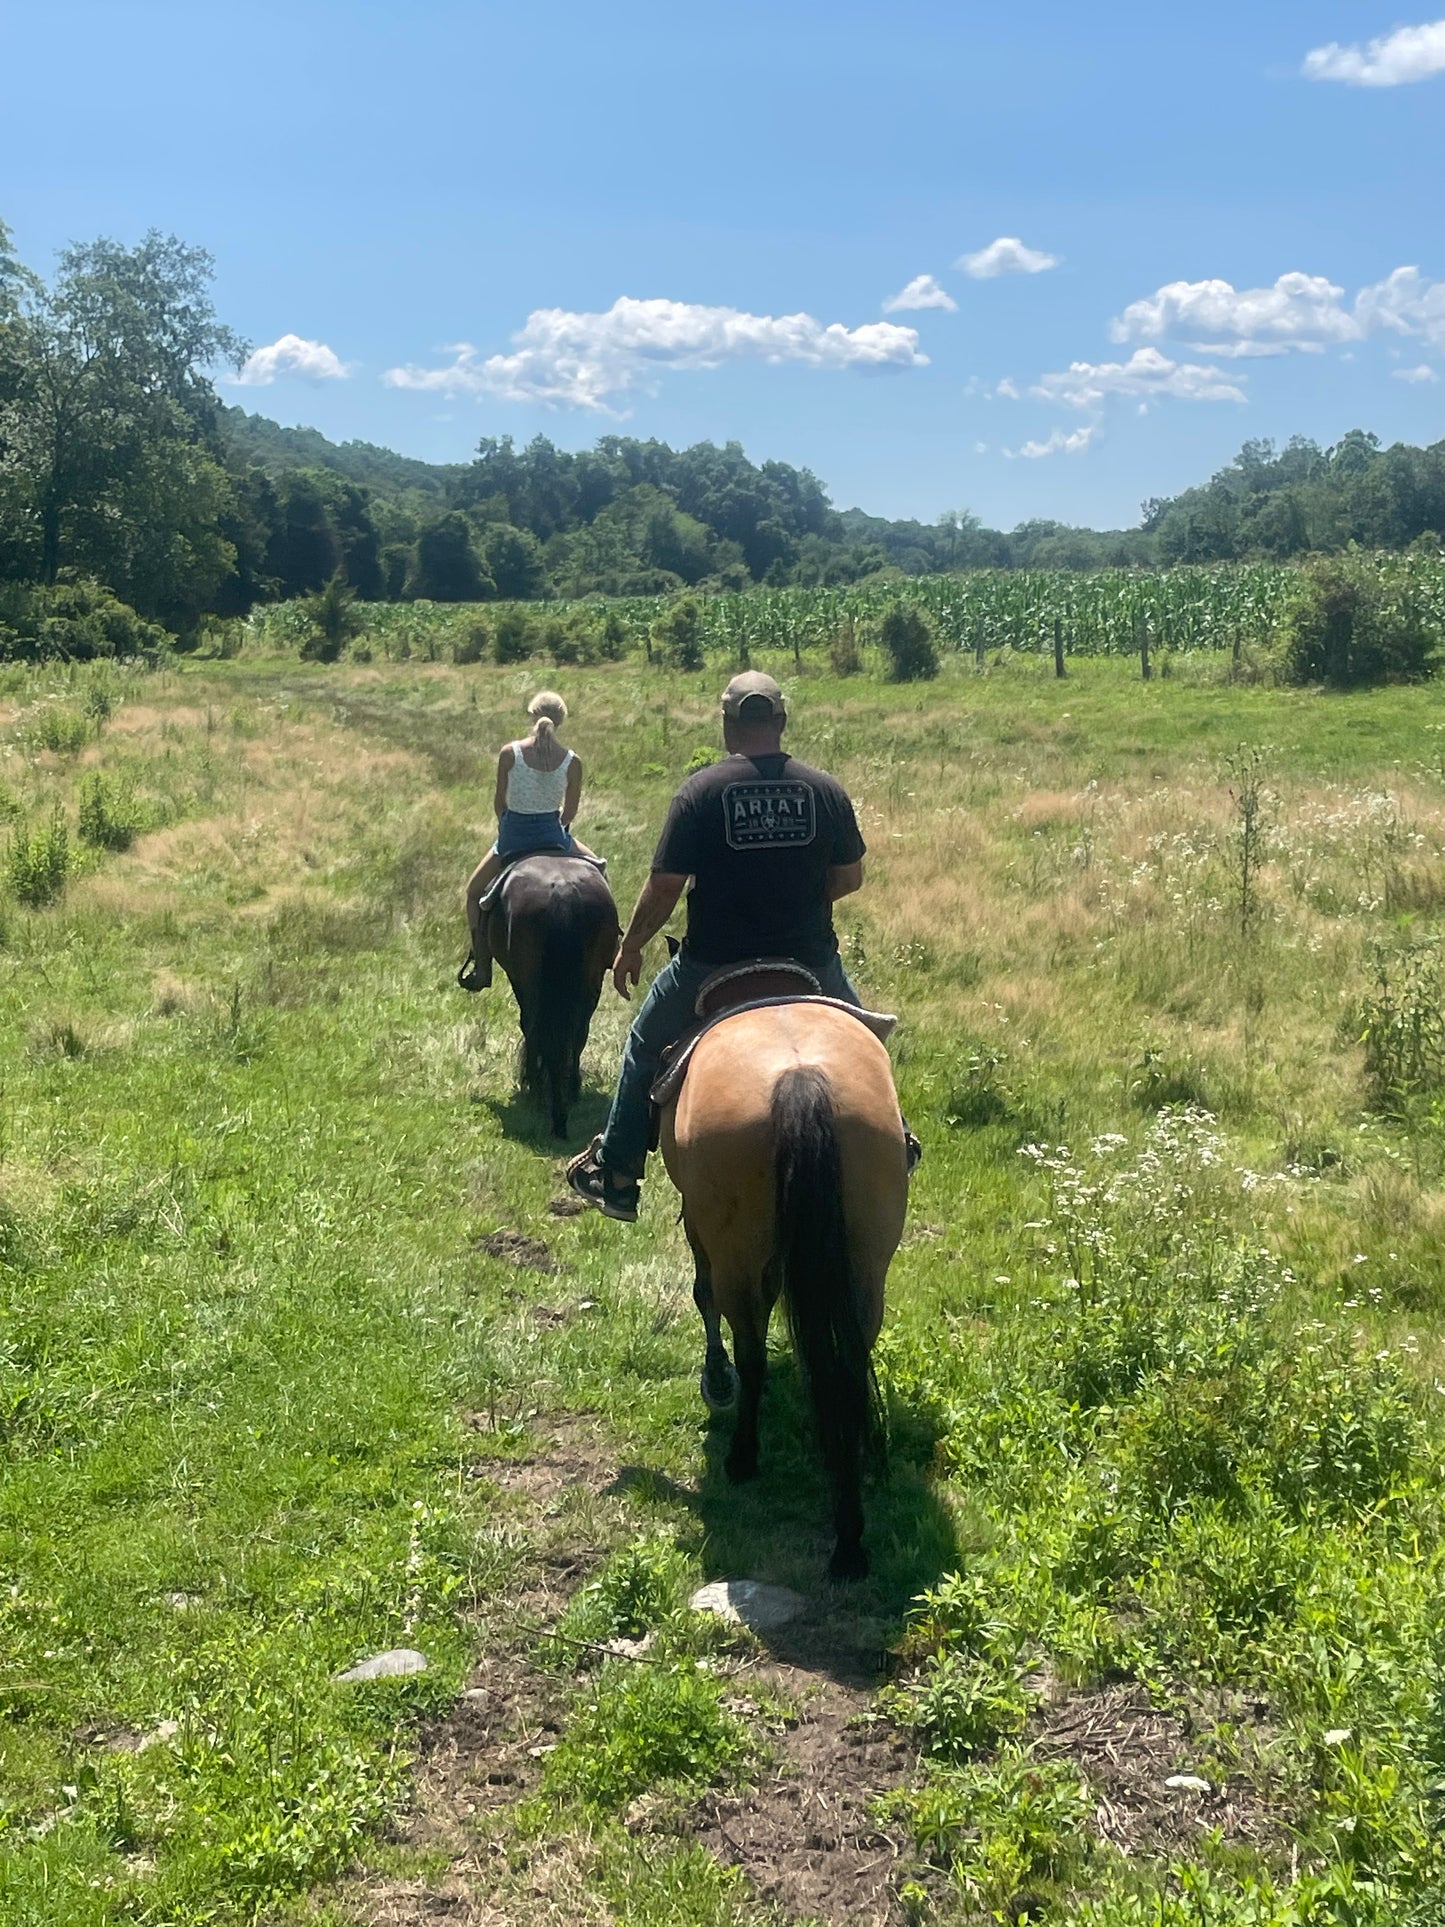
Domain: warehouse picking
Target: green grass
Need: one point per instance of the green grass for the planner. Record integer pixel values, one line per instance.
(1166, 1408)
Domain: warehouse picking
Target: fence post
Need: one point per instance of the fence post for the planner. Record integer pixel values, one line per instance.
(1059, 647)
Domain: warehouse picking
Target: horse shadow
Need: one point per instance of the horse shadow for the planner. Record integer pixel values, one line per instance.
(778, 1528)
(522, 1118)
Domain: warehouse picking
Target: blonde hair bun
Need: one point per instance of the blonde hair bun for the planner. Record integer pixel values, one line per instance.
(548, 711)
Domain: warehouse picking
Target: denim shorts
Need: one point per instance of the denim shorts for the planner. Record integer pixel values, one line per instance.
(520, 831)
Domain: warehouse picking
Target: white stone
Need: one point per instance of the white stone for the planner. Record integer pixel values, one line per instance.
(748, 1602)
(395, 1664)
(1187, 1783)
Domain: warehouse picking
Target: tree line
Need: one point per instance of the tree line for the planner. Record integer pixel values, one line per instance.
(122, 470)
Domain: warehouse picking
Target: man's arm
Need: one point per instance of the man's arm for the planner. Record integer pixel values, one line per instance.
(656, 904)
(844, 879)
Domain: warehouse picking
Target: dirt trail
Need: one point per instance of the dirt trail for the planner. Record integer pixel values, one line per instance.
(805, 1836)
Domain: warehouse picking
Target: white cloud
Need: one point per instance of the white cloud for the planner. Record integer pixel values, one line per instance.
(1146, 374)
(1299, 313)
(1404, 303)
(1061, 442)
(1423, 373)
(583, 360)
(1409, 53)
(922, 292)
(1006, 255)
(292, 355)
(1007, 390)
(1224, 320)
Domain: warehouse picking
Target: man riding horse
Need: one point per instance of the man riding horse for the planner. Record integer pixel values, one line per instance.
(770, 844)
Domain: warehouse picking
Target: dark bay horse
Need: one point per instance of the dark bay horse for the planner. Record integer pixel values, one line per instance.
(788, 1149)
(552, 926)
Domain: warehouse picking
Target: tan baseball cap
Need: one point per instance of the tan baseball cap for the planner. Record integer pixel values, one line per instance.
(752, 682)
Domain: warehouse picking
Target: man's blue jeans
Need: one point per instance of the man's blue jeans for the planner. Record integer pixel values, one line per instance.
(667, 1011)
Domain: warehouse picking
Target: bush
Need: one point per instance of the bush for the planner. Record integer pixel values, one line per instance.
(40, 862)
(512, 638)
(474, 644)
(333, 621)
(678, 634)
(907, 638)
(613, 642)
(108, 818)
(74, 622)
(1349, 626)
(59, 728)
(845, 658)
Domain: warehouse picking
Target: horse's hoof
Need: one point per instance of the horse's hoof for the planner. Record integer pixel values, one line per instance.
(848, 1563)
(742, 1466)
(719, 1387)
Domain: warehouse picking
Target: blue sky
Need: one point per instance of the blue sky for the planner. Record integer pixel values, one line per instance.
(383, 182)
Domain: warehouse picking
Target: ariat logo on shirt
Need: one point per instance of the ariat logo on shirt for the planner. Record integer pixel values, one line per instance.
(768, 815)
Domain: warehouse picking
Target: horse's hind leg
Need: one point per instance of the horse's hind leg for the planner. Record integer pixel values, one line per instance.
(719, 1384)
(750, 1344)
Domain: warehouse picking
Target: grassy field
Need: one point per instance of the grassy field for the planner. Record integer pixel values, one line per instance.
(297, 1364)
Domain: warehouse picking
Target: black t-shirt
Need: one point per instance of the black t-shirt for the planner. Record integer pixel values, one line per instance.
(758, 836)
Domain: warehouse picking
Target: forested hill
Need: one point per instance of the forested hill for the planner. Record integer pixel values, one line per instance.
(254, 438)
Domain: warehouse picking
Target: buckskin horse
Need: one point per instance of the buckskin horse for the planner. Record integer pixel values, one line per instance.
(552, 926)
(779, 1125)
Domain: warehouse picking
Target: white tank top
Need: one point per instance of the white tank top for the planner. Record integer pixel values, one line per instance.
(535, 792)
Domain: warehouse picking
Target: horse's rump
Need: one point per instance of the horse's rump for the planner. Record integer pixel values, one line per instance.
(553, 929)
(718, 1138)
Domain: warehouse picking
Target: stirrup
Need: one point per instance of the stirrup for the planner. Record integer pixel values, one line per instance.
(471, 975)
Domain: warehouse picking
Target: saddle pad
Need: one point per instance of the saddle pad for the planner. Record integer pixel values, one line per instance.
(670, 1079)
(510, 863)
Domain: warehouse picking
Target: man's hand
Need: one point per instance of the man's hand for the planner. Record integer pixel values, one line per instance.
(626, 969)
(656, 904)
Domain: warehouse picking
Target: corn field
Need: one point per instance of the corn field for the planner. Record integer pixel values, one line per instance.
(1107, 612)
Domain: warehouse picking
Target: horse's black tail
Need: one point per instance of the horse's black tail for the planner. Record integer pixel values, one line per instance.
(562, 1009)
(820, 1291)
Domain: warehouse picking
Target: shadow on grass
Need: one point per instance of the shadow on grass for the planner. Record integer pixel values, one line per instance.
(778, 1528)
(523, 1118)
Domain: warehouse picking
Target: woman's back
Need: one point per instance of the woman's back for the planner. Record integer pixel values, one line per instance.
(532, 791)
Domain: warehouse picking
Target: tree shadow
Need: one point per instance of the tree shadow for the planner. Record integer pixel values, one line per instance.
(523, 1119)
(777, 1528)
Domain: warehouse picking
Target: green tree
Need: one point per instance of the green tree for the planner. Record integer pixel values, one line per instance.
(105, 401)
(515, 563)
(305, 549)
(446, 568)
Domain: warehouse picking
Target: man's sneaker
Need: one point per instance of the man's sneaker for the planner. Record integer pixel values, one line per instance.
(613, 1196)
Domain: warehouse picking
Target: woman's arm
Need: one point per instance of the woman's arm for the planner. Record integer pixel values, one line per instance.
(504, 770)
(574, 791)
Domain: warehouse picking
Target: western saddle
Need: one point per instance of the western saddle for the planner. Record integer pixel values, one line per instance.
(759, 984)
